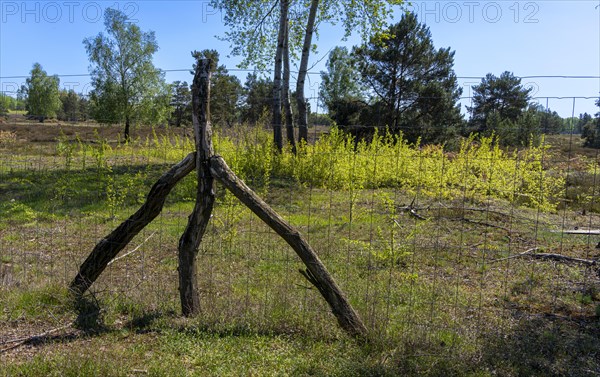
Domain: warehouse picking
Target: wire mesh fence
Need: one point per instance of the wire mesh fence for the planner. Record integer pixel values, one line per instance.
(440, 252)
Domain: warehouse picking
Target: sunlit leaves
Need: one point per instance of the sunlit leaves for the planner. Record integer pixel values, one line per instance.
(43, 100)
(126, 85)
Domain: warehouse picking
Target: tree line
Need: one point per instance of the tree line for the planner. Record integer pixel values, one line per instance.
(400, 82)
(395, 80)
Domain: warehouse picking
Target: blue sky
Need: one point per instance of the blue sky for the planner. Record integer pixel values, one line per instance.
(528, 38)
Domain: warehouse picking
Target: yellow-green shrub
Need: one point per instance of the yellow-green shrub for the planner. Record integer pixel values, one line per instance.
(479, 169)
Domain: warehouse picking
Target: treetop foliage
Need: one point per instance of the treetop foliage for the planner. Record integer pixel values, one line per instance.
(257, 98)
(254, 24)
(341, 81)
(501, 106)
(503, 95)
(126, 85)
(253, 28)
(42, 92)
(395, 79)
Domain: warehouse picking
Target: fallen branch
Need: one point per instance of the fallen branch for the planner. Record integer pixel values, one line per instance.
(524, 253)
(550, 256)
(30, 339)
(594, 232)
(563, 258)
(413, 211)
(21, 341)
(486, 210)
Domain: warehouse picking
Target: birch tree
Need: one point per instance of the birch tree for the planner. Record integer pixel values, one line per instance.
(127, 86)
(254, 25)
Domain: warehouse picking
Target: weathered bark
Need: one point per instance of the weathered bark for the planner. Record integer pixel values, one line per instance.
(207, 165)
(316, 272)
(289, 116)
(108, 248)
(277, 133)
(205, 197)
(300, 99)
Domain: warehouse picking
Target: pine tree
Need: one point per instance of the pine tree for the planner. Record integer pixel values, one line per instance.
(503, 96)
(415, 89)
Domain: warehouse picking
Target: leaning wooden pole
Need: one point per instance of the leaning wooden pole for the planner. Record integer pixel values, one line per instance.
(208, 166)
(108, 248)
(316, 272)
(205, 197)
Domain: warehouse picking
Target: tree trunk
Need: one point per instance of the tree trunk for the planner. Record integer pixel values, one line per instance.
(289, 116)
(399, 84)
(108, 248)
(205, 197)
(302, 105)
(126, 134)
(277, 134)
(178, 117)
(207, 165)
(316, 272)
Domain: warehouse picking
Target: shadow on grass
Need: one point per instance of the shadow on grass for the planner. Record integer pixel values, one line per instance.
(88, 322)
(145, 322)
(59, 191)
(535, 345)
(89, 316)
(546, 345)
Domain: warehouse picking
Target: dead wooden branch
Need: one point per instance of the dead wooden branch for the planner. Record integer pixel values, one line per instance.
(108, 248)
(526, 252)
(593, 232)
(486, 210)
(549, 256)
(29, 339)
(316, 273)
(412, 210)
(562, 258)
(205, 196)
(208, 166)
(414, 213)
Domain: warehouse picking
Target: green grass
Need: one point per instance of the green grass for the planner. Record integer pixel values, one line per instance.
(438, 296)
(190, 351)
(160, 343)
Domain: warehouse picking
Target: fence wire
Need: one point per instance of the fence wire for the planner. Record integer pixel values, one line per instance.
(440, 252)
